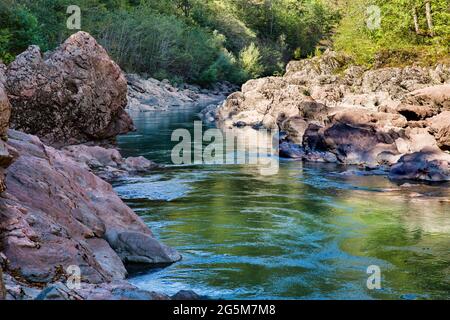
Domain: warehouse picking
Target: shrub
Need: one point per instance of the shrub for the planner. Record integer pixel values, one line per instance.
(250, 61)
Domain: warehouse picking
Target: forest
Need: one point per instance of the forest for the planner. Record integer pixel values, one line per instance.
(205, 41)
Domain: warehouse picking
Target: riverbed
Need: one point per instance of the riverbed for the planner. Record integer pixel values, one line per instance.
(312, 231)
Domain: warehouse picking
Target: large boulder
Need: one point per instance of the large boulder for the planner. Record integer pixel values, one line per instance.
(71, 95)
(56, 213)
(261, 102)
(139, 248)
(5, 157)
(425, 103)
(440, 127)
(357, 144)
(427, 165)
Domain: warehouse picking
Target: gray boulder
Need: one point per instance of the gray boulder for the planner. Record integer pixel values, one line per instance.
(140, 248)
(427, 165)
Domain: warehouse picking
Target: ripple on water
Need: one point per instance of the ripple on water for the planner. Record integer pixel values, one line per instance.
(310, 231)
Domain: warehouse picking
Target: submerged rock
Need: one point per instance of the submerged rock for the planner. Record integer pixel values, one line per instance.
(71, 95)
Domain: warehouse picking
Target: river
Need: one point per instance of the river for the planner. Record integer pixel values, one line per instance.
(310, 232)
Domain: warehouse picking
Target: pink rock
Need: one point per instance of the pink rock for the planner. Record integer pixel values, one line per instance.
(75, 94)
(56, 213)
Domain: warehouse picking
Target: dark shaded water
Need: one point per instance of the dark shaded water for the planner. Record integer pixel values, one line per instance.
(310, 231)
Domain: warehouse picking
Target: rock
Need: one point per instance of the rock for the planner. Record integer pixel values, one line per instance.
(356, 145)
(140, 248)
(16, 290)
(150, 95)
(118, 290)
(264, 101)
(5, 161)
(5, 111)
(186, 295)
(56, 213)
(414, 140)
(364, 117)
(427, 165)
(425, 103)
(291, 151)
(387, 158)
(329, 111)
(313, 138)
(396, 81)
(295, 151)
(309, 69)
(72, 95)
(209, 114)
(108, 163)
(2, 286)
(440, 128)
(58, 291)
(5, 157)
(2, 74)
(107, 258)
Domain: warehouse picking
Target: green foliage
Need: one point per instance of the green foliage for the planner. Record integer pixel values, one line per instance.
(396, 40)
(19, 29)
(297, 54)
(199, 41)
(250, 60)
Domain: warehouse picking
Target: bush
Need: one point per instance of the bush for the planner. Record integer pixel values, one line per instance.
(18, 30)
(182, 40)
(396, 36)
(250, 61)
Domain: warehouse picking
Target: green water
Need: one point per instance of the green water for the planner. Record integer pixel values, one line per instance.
(309, 232)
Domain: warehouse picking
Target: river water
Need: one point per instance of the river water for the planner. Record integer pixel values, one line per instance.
(309, 232)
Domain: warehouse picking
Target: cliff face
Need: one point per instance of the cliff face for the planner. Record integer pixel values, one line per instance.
(329, 111)
(71, 95)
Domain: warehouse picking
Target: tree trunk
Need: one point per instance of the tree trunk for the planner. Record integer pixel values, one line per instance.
(429, 17)
(416, 21)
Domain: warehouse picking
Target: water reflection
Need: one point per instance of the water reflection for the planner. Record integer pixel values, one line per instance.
(310, 231)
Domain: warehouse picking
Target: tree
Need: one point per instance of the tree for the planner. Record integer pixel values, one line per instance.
(429, 17)
(185, 6)
(250, 59)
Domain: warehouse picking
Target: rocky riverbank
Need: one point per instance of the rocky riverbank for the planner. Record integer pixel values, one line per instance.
(329, 110)
(151, 94)
(56, 212)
